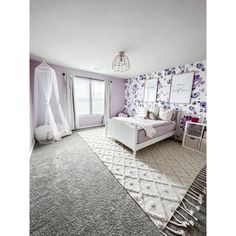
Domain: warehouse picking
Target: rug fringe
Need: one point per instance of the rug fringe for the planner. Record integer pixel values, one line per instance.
(180, 232)
(195, 193)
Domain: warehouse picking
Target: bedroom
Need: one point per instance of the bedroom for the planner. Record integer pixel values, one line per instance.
(126, 117)
(131, 114)
(118, 117)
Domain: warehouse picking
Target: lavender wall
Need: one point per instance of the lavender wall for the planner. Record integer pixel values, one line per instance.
(117, 93)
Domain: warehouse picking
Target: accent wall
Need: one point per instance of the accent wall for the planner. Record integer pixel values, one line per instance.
(134, 92)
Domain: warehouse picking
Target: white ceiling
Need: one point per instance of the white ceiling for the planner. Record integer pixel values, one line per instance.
(87, 34)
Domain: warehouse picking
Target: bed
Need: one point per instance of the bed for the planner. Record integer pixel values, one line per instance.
(137, 133)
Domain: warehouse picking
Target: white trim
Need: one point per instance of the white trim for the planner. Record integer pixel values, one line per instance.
(90, 126)
(85, 115)
(31, 148)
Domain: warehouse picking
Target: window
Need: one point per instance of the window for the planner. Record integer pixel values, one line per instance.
(82, 96)
(97, 97)
(89, 95)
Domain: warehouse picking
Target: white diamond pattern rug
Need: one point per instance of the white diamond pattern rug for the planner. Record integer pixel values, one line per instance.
(157, 178)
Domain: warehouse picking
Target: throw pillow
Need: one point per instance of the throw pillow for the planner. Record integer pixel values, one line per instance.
(166, 114)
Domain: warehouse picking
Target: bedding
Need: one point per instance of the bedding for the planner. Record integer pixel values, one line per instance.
(147, 126)
(161, 129)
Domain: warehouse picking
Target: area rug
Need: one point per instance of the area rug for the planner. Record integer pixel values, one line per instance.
(157, 178)
(190, 217)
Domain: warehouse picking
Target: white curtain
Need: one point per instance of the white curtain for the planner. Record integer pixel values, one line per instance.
(70, 114)
(107, 103)
(50, 123)
(61, 117)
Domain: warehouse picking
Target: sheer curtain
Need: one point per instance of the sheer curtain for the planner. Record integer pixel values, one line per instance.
(44, 86)
(61, 117)
(50, 122)
(107, 103)
(70, 114)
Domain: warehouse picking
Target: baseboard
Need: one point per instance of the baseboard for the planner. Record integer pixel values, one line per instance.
(31, 149)
(90, 126)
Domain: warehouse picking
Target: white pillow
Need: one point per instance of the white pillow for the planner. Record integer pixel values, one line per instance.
(166, 114)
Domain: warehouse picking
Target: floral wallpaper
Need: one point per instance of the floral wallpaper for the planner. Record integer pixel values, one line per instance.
(134, 92)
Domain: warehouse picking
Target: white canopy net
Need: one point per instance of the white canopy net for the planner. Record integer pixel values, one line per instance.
(50, 122)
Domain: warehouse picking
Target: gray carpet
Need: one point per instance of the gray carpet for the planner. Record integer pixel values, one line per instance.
(73, 193)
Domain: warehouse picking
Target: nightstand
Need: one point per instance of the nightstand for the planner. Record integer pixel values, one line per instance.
(195, 135)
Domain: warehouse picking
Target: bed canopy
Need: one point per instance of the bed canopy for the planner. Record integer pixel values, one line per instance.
(50, 122)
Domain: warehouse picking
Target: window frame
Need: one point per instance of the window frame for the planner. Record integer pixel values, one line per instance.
(90, 97)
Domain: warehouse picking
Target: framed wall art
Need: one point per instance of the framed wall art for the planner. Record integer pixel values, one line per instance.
(150, 90)
(181, 88)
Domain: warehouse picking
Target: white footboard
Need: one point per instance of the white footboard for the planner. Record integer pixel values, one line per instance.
(127, 134)
(123, 132)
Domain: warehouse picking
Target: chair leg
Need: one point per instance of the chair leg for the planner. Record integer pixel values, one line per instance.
(134, 153)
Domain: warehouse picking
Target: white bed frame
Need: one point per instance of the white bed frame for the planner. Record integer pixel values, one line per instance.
(128, 135)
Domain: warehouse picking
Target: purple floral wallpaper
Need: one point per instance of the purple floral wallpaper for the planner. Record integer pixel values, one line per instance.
(134, 92)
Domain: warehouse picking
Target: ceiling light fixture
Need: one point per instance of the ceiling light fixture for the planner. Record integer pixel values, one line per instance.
(121, 62)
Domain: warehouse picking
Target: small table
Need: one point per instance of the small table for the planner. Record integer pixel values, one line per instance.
(195, 135)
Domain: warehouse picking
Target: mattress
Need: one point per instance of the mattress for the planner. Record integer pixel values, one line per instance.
(162, 129)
